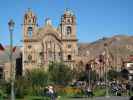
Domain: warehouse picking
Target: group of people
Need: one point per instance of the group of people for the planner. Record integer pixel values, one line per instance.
(116, 89)
(119, 88)
(50, 92)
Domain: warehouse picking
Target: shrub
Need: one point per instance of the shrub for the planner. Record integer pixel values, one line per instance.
(112, 74)
(22, 87)
(4, 89)
(60, 73)
(99, 91)
(37, 77)
(70, 92)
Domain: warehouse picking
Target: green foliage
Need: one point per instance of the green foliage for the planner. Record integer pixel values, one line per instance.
(69, 91)
(73, 92)
(32, 83)
(22, 87)
(60, 73)
(4, 89)
(99, 91)
(1, 94)
(124, 74)
(112, 75)
(38, 77)
(93, 75)
(88, 75)
(35, 98)
(77, 73)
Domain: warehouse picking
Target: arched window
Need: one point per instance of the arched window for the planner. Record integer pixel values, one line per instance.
(69, 30)
(69, 57)
(1, 73)
(68, 20)
(30, 30)
(69, 45)
(29, 46)
(88, 67)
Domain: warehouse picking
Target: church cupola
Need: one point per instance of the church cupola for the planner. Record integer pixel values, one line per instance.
(48, 21)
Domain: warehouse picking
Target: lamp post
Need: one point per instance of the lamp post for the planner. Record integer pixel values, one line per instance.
(130, 83)
(106, 69)
(11, 28)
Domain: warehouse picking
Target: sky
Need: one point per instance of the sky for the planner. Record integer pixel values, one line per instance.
(95, 18)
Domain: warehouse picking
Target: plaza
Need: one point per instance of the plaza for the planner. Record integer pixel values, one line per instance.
(66, 50)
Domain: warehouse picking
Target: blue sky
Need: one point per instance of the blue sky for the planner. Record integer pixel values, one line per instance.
(95, 18)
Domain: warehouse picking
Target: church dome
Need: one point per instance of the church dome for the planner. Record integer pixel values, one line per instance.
(48, 21)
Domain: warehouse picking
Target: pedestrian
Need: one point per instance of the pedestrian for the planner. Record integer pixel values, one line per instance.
(89, 92)
(51, 92)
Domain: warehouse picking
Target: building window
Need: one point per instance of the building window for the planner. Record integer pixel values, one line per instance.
(69, 45)
(41, 53)
(88, 67)
(50, 54)
(30, 30)
(69, 57)
(30, 21)
(68, 20)
(29, 57)
(1, 73)
(69, 30)
(29, 46)
(59, 53)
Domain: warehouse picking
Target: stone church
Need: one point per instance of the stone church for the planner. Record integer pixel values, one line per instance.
(42, 45)
(46, 44)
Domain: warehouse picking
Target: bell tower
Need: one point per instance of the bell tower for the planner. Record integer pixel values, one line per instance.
(30, 24)
(68, 34)
(29, 39)
(68, 24)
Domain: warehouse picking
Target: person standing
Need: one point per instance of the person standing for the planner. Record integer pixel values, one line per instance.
(51, 93)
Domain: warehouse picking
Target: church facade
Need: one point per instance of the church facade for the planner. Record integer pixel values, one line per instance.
(42, 45)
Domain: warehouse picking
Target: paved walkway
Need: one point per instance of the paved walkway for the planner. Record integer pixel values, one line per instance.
(102, 98)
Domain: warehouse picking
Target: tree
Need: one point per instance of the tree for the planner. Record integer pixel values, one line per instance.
(124, 74)
(59, 73)
(22, 87)
(89, 75)
(78, 70)
(112, 74)
(38, 76)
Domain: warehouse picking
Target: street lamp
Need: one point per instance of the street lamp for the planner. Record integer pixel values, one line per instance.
(106, 69)
(11, 28)
(130, 83)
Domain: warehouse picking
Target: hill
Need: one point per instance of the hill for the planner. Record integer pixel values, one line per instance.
(120, 46)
